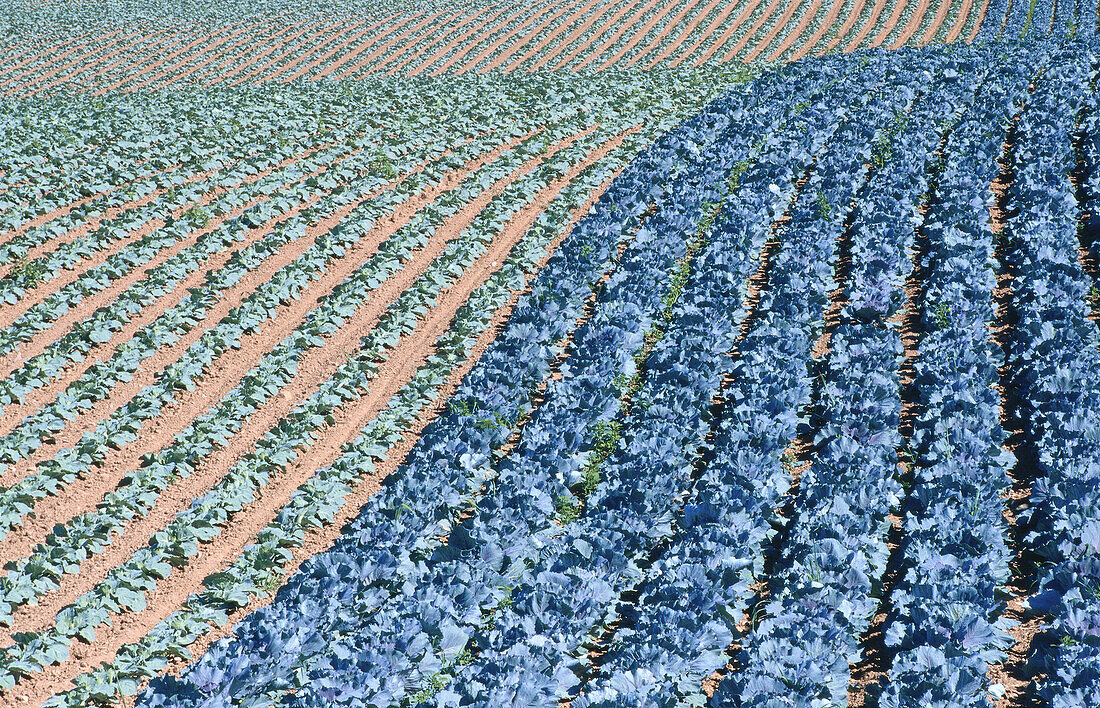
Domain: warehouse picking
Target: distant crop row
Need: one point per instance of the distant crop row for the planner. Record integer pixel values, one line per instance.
(202, 323)
(133, 51)
(774, 448)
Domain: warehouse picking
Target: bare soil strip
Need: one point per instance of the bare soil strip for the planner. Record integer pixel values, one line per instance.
(97, 65)
(463, 50)
(230, 59)
(1012, 674)
(472, 56)
(396, 40)
(151, 67)
(938, 20)
(871, 23)
(804, 22)
(746, 12)
(209, 55)
(474, 23)
(558, 20)
(121, 393)
(889, 25)
(231, 367)
(20, 84)
(608, 23)
(846, 28)
(92, 224)
(27, 51)
(750, 36)
(87, 61)
(14, 412)
(556, 50)
(141, 50)
(640, 34)
(160, 69)
(50, 216)
(35, 296)
(621, 30)
(238, 63)
(827, 23)
(981, 20)
(912, 25)
(135, 63)
(337, 47)
(287, 46)
(47, 53)
(257, 34)
(318, 540)
(876, 657)
(301, 63)
(746, 8)
(684, 32)
(398, 370)
(296, 52)
(437, 51)
(960, 21)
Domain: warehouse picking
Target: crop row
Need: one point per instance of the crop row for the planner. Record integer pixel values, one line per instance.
(1053, 355)
(463, 452)
(944, 626)
(822, 592)
(353, 43)
(690, 601)
(562, 141)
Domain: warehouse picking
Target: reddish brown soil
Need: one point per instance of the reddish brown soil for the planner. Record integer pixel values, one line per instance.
(385, 47)
(891, 22)
(915, 20)
(174, 60)
(1013, 673)
(48, 53)
(288, 47)
(464, 48)
(393, 374)
(845, 28)
(319, 540)
(336, 48)
(789, 41)
(470, 58)
(475, 23)
(34, 77)
(732, 27)
(92, 61)
(138, 60)
(516, 45)
(35, 296)
(208, 53)
(231, 367)
(558, 47)
(960, 21)
(750, 36)
(813, 40)
(876, 12)
(745, 11)
(234, 54)
(684, 32)
(642, 31)
(622, 29)
(561, 55)
(22, 53)
(981, 20)
(234, 65)
(241, 52)
(14, 413)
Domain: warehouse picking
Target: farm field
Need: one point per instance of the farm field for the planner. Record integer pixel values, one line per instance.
(663, 353)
